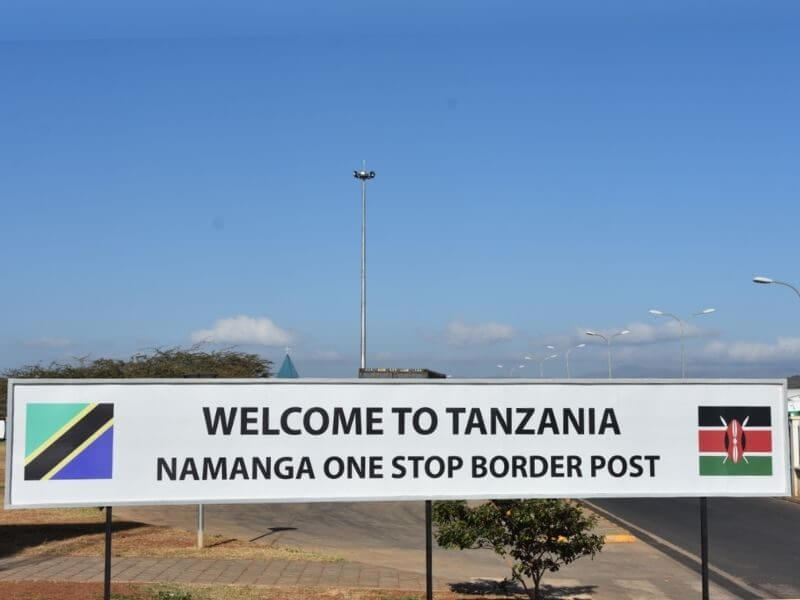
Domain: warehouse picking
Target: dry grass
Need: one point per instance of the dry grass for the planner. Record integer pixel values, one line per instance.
(165, 542)
(80, 532)
(51, 516)
(229, 592)
(65, 590)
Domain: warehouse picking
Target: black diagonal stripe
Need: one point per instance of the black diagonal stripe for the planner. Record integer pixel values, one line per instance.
(709, 416)
(71, 439)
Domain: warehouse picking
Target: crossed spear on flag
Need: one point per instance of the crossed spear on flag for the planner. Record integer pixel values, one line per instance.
(737, 432)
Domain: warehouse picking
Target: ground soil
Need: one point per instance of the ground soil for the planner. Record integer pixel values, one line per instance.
(80, 532)
(30, 590)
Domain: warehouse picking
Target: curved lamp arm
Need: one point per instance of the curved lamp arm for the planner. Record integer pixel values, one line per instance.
(761, 279)
(789, 285)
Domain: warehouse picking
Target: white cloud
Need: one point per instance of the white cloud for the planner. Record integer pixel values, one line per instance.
(48, 342)
(783, 349)
(244, 330)
(459, 333)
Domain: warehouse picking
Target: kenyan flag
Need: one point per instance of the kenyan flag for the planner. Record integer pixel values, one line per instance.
(735, 440)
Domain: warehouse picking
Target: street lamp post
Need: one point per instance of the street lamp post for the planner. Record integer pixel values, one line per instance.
(795, 423)
(544, 360)
(566, 357)
(607, 340)
(703, 500)
(661, 313)
(363, 175)
(510, 369)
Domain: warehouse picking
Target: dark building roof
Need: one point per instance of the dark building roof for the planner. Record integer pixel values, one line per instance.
(399, 374)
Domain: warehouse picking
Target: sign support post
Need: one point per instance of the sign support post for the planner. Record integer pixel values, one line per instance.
(428, 550)
(107, 573)
(200, 525)
(794, 423)
(704, 545)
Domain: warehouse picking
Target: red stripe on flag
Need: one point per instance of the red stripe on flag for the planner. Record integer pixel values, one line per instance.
(712, 440)
(757, 441)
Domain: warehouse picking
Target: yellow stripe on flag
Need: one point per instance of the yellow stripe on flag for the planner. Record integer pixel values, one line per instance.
(49, 441)
(54, 471)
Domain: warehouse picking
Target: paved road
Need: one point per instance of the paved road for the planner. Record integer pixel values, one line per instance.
(755, 539)
(606, 578)
(383, 534)
(389, 536)
(386, 534)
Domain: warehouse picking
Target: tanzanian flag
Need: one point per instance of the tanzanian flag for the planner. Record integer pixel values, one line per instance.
(735, 440)
(69, 441)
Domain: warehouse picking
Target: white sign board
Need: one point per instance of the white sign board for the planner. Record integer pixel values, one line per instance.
(115, 442)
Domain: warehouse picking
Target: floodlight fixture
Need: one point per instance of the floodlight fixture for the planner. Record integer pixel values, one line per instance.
(364, 175)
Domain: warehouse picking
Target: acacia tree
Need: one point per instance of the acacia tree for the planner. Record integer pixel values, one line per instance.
(194, 361)
(538, 535)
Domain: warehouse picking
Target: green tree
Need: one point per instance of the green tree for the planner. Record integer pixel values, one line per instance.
(538, 535)
(171, 362)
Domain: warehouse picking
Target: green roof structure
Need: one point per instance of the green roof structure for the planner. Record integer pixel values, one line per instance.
(287, 370)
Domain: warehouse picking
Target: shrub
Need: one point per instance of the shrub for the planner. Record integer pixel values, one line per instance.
(538, 535)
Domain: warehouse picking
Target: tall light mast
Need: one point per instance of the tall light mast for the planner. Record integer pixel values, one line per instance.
(364, 176)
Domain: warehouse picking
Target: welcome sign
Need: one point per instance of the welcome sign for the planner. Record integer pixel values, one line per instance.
(116, 442)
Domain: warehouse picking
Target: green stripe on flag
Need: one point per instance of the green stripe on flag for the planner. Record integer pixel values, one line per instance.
(755, 465)
(43, 420)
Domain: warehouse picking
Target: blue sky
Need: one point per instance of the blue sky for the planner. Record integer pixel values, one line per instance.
(182, 171)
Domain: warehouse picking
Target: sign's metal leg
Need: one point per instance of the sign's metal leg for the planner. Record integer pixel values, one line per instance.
(107, 574)
(428, 550)
(704, 545)
(200, 525)
(794, 437)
